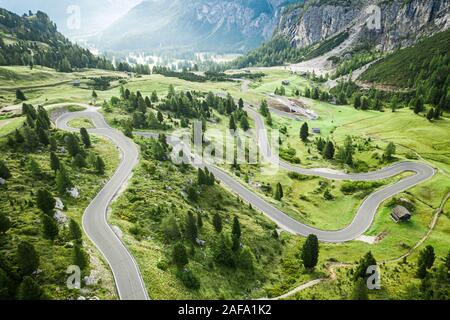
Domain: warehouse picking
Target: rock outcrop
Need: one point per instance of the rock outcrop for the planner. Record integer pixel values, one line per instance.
(401, 23)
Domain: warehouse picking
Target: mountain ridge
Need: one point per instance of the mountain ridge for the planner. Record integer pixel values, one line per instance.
(202, 25)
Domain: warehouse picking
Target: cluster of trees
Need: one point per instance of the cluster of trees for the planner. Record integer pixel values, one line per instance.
(435, 280)
(317, 94)
(238, 116)
(136, 68)
(18, 279)
(280, 91)
(276, 51)
(358, 60)
(227, 250)
(205, 178)
(139, 107)
(37, 134)
(185, 75)
(279, 50)
(265, 112)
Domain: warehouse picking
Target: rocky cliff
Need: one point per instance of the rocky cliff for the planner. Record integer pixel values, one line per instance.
(402, 22)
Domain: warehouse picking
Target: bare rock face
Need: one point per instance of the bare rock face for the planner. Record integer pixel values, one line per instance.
(402, 22)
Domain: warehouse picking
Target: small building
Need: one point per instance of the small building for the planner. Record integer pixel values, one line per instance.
(285, 82)
(316, 130)
(400, 213)
(76, 83)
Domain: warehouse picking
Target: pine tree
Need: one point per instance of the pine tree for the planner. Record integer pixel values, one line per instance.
(426, 261)
(79, 161)
(419, 105)
(160, 117)
(72, 144)
(437, 113)
(264, 108)
(63, 181)
(201, 179)
(364, 103)
(29, 289)
(50, 227)
(55, 164)
(217, 222)
(269, 119)
(310, 252)
(247, 260)
(18, 137)
(75, 231)
(430, 114)
(394, 103)
(236, 234)
(304, 132)
(100, 165)
(20, 95)
(4, 171)
(42, 136)
(45, 201)
(199, 220)
(148, 102)
(244, 123)
(241, 103)
(328, 152)
(53, 144)
(35, 168)
(5, 223)
(278, 192)
(232, 124)
(361, 270)
(154, 97)
(179, 255)
(360, 290)
(223, 254)
(27, 258)
(80, 257)
(85, 138)
(357, 102)
(390, 151)
(191, 227)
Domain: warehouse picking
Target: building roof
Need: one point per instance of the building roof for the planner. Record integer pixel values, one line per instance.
(401, 213)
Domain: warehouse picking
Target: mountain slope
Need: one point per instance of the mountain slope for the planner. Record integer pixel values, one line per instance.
(95, 15)
(34, 39)
(201, 25)
(306, 27)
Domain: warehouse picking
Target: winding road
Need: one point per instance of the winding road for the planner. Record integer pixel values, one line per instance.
(125, 270)
(128, 279)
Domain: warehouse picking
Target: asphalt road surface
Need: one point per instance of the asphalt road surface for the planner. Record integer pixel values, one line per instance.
(126, 273)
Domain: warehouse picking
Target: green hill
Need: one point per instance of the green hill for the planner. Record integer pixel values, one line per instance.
(34, 40)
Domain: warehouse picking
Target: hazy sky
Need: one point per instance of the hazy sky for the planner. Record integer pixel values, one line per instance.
(94, 15)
